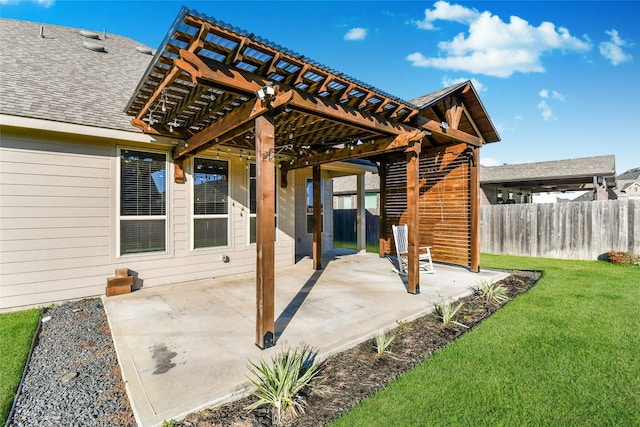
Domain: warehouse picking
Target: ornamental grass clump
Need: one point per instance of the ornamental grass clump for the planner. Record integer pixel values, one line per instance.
(445, 312)
(283, 384)
(492, 291)
(382, 344)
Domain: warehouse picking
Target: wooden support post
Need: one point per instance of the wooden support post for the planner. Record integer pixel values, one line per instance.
(178, 172)
(361, 216)
(317, 219)
(413, 221)
(475, 208)
(382, 171)
(265, 231)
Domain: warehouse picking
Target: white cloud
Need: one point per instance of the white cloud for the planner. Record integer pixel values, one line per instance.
(489, 161)
(356, 33)
(494, 47)
(613, 51)
(519, 118)
(446, 82)
(547, 94)
(547, 112)
(445, 12)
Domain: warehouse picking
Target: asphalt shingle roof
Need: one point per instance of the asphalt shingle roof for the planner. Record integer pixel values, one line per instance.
(582, 167)
(425, 101)
(56, 78)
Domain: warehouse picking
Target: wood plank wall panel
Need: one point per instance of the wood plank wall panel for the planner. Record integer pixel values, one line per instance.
(445, 202)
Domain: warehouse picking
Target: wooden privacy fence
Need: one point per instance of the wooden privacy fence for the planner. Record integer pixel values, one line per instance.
(344, 226)
(580, 230)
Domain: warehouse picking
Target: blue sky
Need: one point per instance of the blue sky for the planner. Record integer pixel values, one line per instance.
(559, 79)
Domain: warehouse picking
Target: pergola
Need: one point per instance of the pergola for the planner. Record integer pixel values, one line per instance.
(212, 85)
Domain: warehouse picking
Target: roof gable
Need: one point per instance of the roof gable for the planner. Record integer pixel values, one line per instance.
(475, 118)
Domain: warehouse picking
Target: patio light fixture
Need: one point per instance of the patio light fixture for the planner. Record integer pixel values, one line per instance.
(265, 93)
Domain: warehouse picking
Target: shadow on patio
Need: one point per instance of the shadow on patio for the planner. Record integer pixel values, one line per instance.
(185, 346)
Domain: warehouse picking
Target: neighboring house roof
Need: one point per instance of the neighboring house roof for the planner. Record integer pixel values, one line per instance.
(57, 77)
(471, 100)
(561, 175)
(627, 180)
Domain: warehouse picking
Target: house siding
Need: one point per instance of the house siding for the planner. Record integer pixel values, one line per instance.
(59, 222)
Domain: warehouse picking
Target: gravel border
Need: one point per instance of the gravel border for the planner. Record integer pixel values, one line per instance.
(73, 377)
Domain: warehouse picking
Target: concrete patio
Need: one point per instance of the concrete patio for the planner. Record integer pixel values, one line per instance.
(185, 347)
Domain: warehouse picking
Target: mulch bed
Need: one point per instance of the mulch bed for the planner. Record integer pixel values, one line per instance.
(359, 372)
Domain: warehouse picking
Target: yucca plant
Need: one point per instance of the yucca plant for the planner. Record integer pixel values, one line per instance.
(445, 312)
(491, 291)
(382, 344)
(281, 383)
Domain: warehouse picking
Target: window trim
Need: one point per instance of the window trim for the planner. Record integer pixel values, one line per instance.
(119, 216)
(255, 215)
(193, 215)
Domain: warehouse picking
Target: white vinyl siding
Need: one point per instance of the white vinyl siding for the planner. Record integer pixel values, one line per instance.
(60, 221)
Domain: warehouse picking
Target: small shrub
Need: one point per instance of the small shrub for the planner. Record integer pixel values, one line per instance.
(281, 384)
(491, 291)
(445, 312)
(402, 324)
(382, 344)
(616, 257)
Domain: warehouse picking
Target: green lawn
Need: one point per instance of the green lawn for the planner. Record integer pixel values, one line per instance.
(565, 353)
(354, 245)
(16, 333)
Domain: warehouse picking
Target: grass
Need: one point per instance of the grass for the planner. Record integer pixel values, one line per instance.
(354, 246)
(16, 333)
(565, 353)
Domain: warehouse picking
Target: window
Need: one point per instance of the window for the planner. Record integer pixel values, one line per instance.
(310, 205)
(210, 203)
(143, 202)
(253, 206)
(343, 202)
(371, 201)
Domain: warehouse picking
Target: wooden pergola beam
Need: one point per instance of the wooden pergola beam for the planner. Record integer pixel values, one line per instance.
(471, 121)
(195, 45)
(384, 239)
(265, 231)
(317, 218)
(455, 134)
(366, 149)
(337, 112)
(453, 112)
(328, 76)
(222, 76)
(413, 219)
(225, 127)
(475, 208)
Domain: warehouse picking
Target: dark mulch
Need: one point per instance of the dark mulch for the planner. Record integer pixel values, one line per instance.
(359, 372)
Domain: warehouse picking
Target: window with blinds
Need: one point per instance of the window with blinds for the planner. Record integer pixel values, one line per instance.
(143, 202)
(210, 203)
